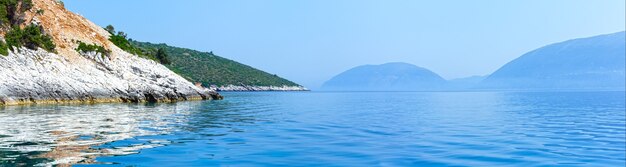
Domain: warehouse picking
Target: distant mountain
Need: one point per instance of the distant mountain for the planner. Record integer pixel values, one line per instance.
(588, 63)
(210, 69)
(464, 83)
(385, 77)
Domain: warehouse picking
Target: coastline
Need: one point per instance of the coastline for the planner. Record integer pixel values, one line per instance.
(247, 88)
(39, 77)
(10, 102)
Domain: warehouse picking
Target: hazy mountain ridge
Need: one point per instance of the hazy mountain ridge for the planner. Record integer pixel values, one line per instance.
(385, 77)
(586, 63)
(597, 62)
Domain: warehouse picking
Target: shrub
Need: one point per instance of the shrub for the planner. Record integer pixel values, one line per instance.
(123, 43)
(162, 56)
(4, 15)
(31, 37)
(9, 15)
(26, 5)
(110, 29)
(120, 40)
(4, 48)
(83, 47)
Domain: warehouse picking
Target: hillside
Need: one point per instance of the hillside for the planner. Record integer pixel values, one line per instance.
(51, 55)
(588, 63)
(385, 77)
(210, 69)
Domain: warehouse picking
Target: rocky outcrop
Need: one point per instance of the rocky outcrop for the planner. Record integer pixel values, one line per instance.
(69, 76)
(261, 88)
(36, 76)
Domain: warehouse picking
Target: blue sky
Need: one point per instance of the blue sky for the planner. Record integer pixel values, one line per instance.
(309, 41)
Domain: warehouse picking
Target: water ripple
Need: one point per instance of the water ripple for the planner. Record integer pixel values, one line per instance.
(327, 129)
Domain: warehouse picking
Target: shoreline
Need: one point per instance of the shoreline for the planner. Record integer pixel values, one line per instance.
(247, 88)
(4, 102)
(41, 77)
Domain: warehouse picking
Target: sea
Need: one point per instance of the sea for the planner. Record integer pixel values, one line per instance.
(503, 128)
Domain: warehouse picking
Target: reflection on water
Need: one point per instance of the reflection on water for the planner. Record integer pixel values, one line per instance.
(67, 134)
(326, 129)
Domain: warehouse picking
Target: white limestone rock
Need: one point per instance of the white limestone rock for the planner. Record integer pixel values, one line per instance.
(37, 76)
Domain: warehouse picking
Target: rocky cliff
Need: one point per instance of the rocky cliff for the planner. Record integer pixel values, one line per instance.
(38, 76)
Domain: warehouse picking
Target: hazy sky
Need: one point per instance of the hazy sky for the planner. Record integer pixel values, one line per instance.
(309, 41)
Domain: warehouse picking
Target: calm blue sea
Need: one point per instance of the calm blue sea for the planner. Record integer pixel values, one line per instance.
(326, 129)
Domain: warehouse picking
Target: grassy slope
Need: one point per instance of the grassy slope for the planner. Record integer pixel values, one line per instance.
(210, 69)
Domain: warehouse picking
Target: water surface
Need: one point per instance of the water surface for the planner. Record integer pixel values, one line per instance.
(326, 128)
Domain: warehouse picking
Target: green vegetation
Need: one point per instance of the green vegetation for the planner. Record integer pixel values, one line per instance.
(83, 47)
(202, 67)
(162, 56)
(210, 69)
(9, 14)
(31, 37)
(4, 48)
(121, 40)
(110, 29)
(26, 5)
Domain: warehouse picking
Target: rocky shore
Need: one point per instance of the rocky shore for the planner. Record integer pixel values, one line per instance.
(260, 88)
(36, 77)
(71, 75)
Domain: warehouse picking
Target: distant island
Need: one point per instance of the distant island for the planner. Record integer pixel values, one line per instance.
(385, 77)
(588, 63)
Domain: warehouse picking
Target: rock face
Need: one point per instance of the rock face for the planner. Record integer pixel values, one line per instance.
(385, 77)
(37, 76)
(30, 76)
(586, 63)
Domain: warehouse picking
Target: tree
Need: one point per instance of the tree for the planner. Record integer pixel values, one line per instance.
(162, 56)
(122, 34)
(110, 29)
